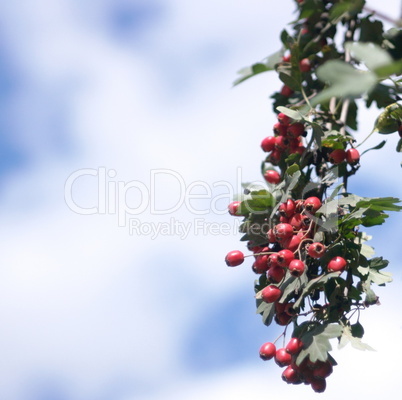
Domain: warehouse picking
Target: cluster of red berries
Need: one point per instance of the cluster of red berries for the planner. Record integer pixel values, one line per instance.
(307, 372)
(287, 140)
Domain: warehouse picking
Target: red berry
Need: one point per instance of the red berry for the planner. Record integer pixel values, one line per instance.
(305, 65)
(286, 91)
(291, 243)
(281, 143)
(275, 274)
(316, 250)
(233, 207)
(271, 236)
(285, 257)
(296, 221)
(296, 267)
(290, 375)
(295, 130)
(273, 260)
(318, 385)
(260, 264)
(322, 370)
(312, 204)
(294, 346)
(300, 150)
(271, 293)
(337, 156)
(234, 258)
(283, 318)
(282, 357)
(272, 176)
(283, 119)
(337, 264)
(268, 143)
(352, 156)
(279, 129)
(275, 157)
(286, 58)
(283, 231)
(290, 208)
(267, 351)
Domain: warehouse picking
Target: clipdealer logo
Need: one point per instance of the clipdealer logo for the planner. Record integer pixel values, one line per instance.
(112, 198)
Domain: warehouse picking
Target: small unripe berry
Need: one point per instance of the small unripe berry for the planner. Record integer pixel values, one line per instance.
(234, 258)
(267, 351)
(272, 176)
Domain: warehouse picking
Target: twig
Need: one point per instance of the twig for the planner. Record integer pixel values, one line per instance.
(396, 22)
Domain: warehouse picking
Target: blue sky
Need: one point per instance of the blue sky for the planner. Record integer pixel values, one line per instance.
(89, 311)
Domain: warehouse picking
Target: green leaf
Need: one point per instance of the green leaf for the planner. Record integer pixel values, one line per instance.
(347, 337)
(290, 81)
(343, 80)
(371, 31)
(294, 114)
(378, 147)
(315, 284)
(371, 54)
(383, 95)
(347, 8)
(317, 133)
(257, 201)
(389, 120)
(316, 341)
(292, 169)
(399, 146)
(258, 68)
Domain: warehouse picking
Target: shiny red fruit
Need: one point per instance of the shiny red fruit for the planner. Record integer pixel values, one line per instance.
(316, 250)
(352, 156)
(286, 58)
(282, 357)
(283, 318)
(290, 375)
(312, 204)
(294, 346)
(318, 385)
(295, 130)
(233, 207)
(271, 293)
(283, 231)
(286, 91)
(305, 65)
(234, 258)
(272, 176)
(279, 129)
(337, 156)
(283, 119)
(275, 274)
(296, 268)
(337, 264)
(267, 351)
(260, 264)
(268, 144)
(291, 243)
(285, 257)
